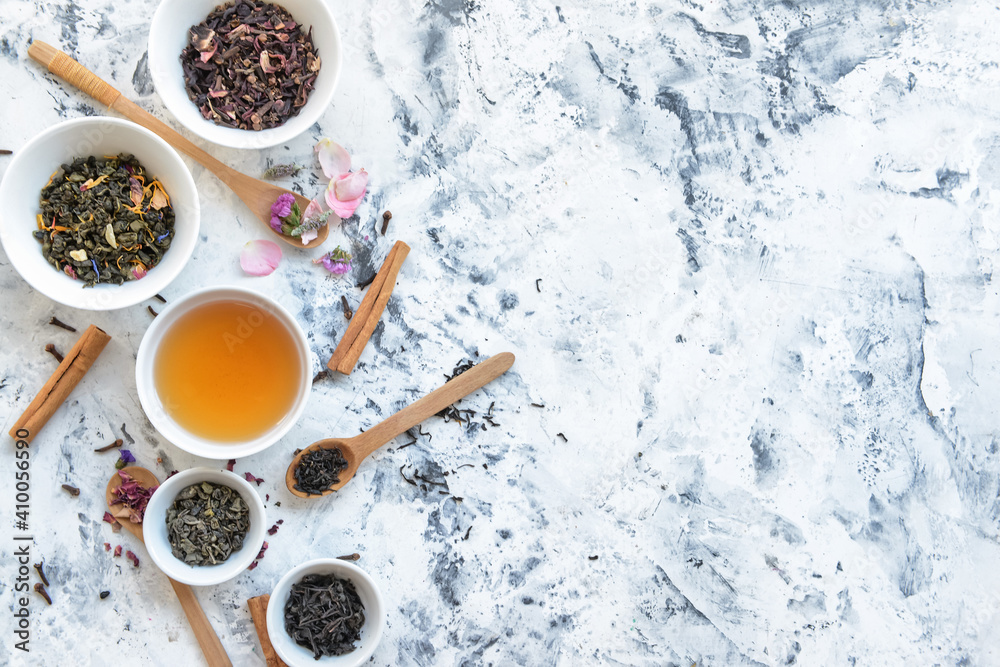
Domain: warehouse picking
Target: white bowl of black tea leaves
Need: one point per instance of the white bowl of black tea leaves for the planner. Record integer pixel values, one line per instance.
(245, 74)
(98, 213)
(325, 612)
(203, 527)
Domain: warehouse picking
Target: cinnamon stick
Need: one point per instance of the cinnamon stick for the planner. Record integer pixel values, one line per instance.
(369, 312)
(258, 611)
(72, 369)
(346, 364)
(365, 309)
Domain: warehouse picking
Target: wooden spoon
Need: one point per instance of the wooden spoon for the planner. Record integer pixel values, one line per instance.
(257, 195)
(357, 448)
(215, 654)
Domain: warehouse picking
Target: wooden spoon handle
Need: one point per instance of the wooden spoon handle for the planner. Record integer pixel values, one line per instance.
(434, 402)
(215, 654)
(73, 72)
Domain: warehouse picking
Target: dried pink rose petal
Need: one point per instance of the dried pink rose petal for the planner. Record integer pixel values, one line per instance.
(132, 495)
(118, 551)
(346, 189)
(135, 191)
(345, 192)
(260, 258)
(314, 208)
(351, 186)
(332, 158)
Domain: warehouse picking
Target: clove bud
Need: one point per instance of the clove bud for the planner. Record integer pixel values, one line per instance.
(40, 567)
(40, 589)
(62, 325)
(116, 443)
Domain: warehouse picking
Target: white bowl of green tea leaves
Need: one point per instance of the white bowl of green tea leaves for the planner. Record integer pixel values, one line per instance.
(98, 213)
(325, 612)
(242, 74)
(203, 526)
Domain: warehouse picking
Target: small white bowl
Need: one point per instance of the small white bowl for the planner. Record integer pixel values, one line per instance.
(168, 35)
(153, 406)
(154, 528)
(371, 632)
(31, 169)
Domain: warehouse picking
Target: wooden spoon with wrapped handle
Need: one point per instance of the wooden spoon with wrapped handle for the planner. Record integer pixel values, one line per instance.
(214, 652)
(257, 195)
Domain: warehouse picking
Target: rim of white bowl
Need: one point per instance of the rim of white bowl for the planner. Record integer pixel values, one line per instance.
(145, 385)
(154, 532)
(99, 297)
(167, 80)
(279, 595)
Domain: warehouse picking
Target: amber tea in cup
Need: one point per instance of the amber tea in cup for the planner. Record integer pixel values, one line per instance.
(223, 372)
(227, 371)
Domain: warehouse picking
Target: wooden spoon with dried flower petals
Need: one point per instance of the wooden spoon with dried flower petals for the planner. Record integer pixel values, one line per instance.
(257, 195)
(354, 450)
(215, 654)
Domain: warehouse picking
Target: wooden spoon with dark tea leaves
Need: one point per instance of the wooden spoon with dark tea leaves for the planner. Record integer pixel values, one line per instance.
(357, 448)
(256, 194)
(215, 654)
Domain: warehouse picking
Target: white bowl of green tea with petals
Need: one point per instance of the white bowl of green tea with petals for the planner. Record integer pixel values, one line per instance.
(325, 612)
(98, 213)
(203, 527)
(245, 74)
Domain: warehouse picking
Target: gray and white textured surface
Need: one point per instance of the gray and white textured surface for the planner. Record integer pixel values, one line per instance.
(766, 235)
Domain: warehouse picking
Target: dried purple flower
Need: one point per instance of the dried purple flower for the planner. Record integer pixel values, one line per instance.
(282, 170)
(337, 262)
(125, 457)
(282, 208)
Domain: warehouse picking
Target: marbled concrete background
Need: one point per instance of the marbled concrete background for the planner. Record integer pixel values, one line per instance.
(744, 254)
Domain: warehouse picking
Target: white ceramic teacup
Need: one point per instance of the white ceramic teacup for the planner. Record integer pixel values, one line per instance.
(154, 528)
(153, 405)
(296, 655)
